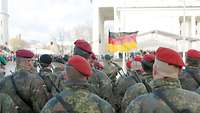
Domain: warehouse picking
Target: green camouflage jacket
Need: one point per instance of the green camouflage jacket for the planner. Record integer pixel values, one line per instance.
(77, 94)
(59, 82)
(134, 91)
(2, 73)
(151, 103)
(49, 79)
(32, 94)
(188, 77)
(100, 81)
(6, 104)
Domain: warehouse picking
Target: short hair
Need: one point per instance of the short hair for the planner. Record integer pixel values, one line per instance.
(72, 73)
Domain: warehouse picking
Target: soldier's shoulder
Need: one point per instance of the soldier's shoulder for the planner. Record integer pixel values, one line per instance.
(136, 87)
(103, 104)
(50, 105)
(187, 94)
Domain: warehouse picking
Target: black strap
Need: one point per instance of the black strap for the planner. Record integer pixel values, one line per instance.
(28, 103)
(147, 86)
(66, 105)
(162, 96)
(194, 77)
(52, 83)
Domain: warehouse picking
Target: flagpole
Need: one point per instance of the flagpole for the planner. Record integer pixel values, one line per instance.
(124, 62)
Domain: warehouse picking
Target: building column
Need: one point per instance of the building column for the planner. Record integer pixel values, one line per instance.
(116, 20)
(193, 26)
(198, 26)
(96, 30)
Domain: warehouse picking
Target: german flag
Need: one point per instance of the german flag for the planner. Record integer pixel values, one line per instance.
(121, 41)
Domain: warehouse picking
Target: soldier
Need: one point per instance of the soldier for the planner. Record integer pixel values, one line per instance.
(47, 74)
(125, 81)
(190, 77)
(167, 95)
(76, 97)
(140, 88)
(3, 62)
(7, 104)
(58, 70)
(24, 86)
(110, 68)
(99, 80)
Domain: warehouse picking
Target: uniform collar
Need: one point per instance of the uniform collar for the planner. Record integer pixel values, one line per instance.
(81, 84)
(166, 84)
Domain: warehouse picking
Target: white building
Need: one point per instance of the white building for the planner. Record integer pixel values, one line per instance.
(145, 16)
(3, 22)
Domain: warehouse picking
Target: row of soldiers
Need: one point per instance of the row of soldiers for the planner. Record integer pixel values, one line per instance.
(82, 86)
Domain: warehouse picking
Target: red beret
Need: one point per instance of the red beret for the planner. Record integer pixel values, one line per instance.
(81, 65)
(82, 44)
(169, 56)
(149, 57)
(137, 58)
(193, 53)
(98, 65)
(23, 53)
(94, 56)
(128, 64)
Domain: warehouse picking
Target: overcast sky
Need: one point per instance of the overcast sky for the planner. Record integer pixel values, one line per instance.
(37, 19)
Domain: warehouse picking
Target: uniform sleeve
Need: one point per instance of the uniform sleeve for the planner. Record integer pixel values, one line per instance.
(39, 95)
(53, 106)
(105, 106)
(105, 86)
(134, 107)
(7, 104)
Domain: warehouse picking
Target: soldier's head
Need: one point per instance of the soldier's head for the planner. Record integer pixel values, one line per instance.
(78, 68)
(82, 48)
(45, 60)
(147, 62)
(66, 58)
(58, 63)
(193, 58)
(24, 59)
(107, 57)
(168, 64)
(92, 59)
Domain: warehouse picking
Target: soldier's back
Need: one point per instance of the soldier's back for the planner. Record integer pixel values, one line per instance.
(27, 91)
(7, 104)
(151, 103)
(102, 84)
(131, 93)
(190, 78)
(81, 101)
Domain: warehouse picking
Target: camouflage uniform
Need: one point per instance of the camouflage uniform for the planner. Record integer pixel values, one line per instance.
(151, 103)
(188, 81)
(30, 95)
(2, 73)
(110, 70)
(134, 91)
(49, 78)
(198, 90)
(6, 104)
(102, 84)
(76, 93)
(121, 85)
(59, 82)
